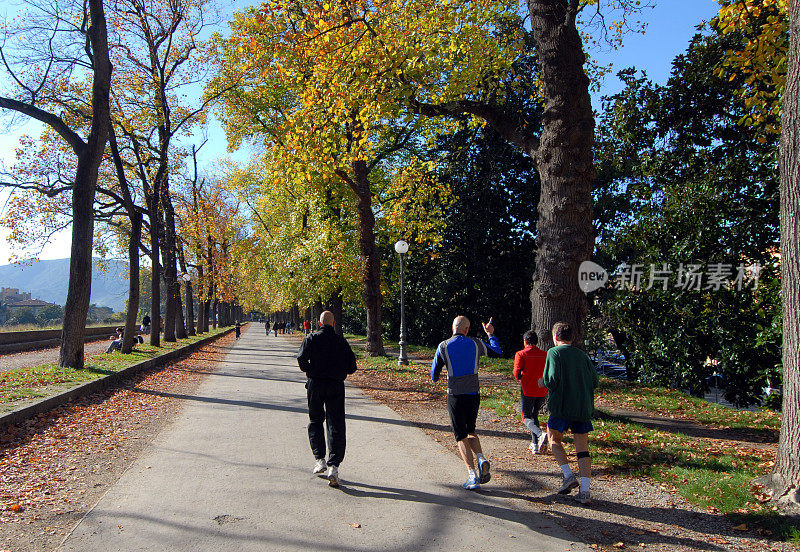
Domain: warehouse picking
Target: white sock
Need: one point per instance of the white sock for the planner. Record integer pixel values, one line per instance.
(566, 469)
(479, 456)
(584, 484)
(471, 473)
(535, 431)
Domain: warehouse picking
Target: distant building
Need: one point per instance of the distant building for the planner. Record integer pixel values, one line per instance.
(14, 300)
(12, 295)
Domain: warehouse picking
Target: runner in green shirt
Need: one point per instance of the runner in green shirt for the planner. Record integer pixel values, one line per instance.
(570, 378)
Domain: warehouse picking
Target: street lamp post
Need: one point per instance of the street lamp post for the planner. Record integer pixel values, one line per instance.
(402, 247)
(187, 278)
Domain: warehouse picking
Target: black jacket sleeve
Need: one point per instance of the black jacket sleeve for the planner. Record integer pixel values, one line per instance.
(350, 359)
(304, 354)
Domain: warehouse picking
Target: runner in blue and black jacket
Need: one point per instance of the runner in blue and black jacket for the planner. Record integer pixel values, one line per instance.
(460, 355)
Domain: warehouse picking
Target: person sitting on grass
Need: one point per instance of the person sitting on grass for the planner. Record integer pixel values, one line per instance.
(528, 370)
(570, 378)
(115, 345)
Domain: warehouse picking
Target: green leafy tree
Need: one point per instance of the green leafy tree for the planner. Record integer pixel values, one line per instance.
(50, 313)
(682, 182)
(23, 315)
(481, 266)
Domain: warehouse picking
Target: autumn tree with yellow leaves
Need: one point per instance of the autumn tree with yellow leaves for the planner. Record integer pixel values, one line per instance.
(337, 131)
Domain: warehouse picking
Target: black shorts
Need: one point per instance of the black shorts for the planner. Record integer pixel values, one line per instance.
(463, 410)
(530, 407)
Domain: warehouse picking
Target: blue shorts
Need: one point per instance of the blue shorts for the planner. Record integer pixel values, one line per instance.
(557, 424)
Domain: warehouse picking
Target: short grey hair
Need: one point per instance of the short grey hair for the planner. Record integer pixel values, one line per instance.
(326, 318)
(460, 324)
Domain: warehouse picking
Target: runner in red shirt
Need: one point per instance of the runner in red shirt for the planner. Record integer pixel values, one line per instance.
(528, 369)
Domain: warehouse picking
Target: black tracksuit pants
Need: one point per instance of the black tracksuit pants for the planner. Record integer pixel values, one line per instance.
(326, 404)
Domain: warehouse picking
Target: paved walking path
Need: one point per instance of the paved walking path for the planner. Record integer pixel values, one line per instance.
(233, 473)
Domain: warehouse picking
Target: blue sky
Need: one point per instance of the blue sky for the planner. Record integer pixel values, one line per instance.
(671, 24)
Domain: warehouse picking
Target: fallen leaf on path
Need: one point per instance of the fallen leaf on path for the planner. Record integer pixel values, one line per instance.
(742, 527)
(619, 545)
(355, 525)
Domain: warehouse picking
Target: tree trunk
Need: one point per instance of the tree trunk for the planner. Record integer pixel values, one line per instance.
(155, 273)
(89, 159)
(784, 482)
(200, 298)
(169, 257)
(134, 242)
(214, 313)
(316, 310)
(133, 282)
(335, 306)
(205, 293)
(564, 161)
(190, 310)
(80, 265)
(371, 272)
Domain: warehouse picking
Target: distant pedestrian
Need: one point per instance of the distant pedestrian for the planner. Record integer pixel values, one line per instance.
(266, 326)
(571, 379)
(460, 355)
(528, 369)
(327, 360)
(306, 326)
(275, 328)
(237, 328)
(145, 324)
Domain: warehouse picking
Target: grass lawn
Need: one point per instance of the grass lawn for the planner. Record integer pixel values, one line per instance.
(40, 381)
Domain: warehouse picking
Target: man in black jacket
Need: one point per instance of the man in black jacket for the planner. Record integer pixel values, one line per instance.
(327, 360)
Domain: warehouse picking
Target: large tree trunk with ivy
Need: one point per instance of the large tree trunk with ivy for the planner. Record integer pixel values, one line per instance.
(564, 161)
(784, 482)
(89, 158)
(371, 271)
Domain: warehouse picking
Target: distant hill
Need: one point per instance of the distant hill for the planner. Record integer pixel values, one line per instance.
(48, 280)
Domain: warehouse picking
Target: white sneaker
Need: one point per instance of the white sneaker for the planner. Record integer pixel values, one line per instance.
(534, 447)
(319, 466)
(333, 476)
(542, 443)
(568, 484)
